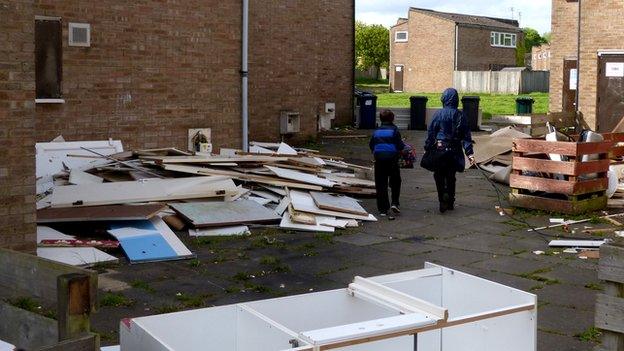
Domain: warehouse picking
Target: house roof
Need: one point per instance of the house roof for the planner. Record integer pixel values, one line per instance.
(472, 20)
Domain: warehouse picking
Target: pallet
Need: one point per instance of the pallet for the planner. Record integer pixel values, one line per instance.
(579, 187)
(617, 148)
(609, 311)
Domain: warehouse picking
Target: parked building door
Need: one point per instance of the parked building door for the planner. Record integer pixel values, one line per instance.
(398, 78)
(569, 85)
(610, 92)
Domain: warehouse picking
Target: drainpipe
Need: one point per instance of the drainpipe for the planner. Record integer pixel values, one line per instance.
(456, 49)
(245, 76)
(578, 69)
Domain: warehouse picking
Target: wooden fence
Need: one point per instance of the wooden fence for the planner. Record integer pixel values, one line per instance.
(501, 82)
(610, 303)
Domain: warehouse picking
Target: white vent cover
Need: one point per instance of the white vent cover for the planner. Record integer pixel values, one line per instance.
(80, 34)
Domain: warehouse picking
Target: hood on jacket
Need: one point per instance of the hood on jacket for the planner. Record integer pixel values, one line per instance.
(450, 98)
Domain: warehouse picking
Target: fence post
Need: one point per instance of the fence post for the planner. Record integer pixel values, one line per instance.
(610, 304)
(74, 305)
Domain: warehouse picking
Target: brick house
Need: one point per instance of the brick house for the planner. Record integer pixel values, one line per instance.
(428, 46)
(600, 65)
(152, 70)
(540, 58)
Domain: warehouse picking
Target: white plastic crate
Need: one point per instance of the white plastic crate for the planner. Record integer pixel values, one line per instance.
(434, 308)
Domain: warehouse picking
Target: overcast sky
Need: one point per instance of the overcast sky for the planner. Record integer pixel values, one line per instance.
(534, 13)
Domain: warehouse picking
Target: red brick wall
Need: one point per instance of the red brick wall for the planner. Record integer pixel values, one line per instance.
(155, 69)
(301, 56)
(475, 53)
(17, 114)
(563, 46)
(428, 56)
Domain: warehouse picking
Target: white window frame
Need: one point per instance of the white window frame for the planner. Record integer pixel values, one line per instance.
(71, 41)
(498, 39)
(396, 36)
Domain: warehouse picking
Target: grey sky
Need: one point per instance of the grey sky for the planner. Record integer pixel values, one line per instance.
(534, 13)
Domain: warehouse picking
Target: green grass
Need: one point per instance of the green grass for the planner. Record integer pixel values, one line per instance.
(115, 300)
(590, 335)
(491, 104)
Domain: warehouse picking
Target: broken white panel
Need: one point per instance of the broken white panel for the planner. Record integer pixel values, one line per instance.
(300, 176)
(285, 149)
(78, 177)
(482, 315)
(282, 206)
(577, 243)
(51, 158)
(276, 189)
(225, 231)
(288, 223)
(260, 150)
(47, 233)
(303, 202)
(267, 195)
(259, 200)
(75, 256)
(5, 346)
(110, 348)
(332, 222)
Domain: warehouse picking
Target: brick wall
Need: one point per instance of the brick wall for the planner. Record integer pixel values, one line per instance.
(563, 46)
(428, 56)
(602, 29)
(17, 113)
(155, 69)
(399, 52)
(476, 54)
(301, 57)
(540, 58)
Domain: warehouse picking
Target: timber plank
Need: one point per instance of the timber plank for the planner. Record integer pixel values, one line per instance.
(527, 164)
(554, 205)
(558, 186)
(338, 203)
(25, 329)
(611, 264)
(560, 147)
(610, 313)
(99, 213)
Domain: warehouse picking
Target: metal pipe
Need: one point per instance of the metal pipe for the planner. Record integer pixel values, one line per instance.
(245, 77)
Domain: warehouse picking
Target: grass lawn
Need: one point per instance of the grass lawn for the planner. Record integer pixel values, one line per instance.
(491, 104)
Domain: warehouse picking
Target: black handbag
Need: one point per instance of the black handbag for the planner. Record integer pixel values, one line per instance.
(436, 158)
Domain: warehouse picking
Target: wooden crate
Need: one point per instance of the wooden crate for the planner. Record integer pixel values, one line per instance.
(609, 312)
(617, 149)
(572, 193)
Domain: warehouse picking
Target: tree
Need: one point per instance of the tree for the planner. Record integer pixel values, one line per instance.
(372, 46)
(531, 38)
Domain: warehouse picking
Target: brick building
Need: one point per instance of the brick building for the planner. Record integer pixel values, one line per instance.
(152, 70)
(600, 65)
(428, 46)
(540, 58)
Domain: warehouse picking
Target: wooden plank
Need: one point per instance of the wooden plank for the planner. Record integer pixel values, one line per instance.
(288, 223)
(337, 203)
(74, 305)
(86, 342)
(99, 213)
(302, 201)
(554, 205)
(25, 329)
(300, 217)
(146, 191)
(558, 186)
(240, 176)
(611, 266)
(220, 214)
(301, 177)
(527, 164)
(77, 177)
(26, 275)
(200, 159)
(560, 147)
(610, 313)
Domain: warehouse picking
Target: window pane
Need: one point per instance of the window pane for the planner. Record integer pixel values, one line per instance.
(48, 59)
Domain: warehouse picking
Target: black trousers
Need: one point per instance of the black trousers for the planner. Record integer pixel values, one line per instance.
(445, 183)
(387, 172)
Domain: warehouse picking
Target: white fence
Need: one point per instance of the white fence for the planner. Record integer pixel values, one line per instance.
(501, 82)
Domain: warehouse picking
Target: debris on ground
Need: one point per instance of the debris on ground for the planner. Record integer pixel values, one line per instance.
(108, 198)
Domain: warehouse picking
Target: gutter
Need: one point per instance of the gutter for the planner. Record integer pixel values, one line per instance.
(245, 77)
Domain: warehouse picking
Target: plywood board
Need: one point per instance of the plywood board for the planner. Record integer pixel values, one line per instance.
(47, 233)
(283, 206)
(285, 149)
(202, 159)
(303, 201)
(267, 195)
(300, 176)
(215, 214)
(288, 223)
(75, 256)
(224, 231)
(99, 213)
(260, 150)
(145, 191)
(339, 203)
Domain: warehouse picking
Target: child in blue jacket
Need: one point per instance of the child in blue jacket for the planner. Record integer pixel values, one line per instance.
(386, 145)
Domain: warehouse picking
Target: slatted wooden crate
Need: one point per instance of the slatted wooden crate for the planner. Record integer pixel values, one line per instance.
(617, 148)
(535, 186)
(610, 302)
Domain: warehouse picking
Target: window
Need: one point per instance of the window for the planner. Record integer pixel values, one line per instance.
(505, 40)
(400, 37)
(48, 58)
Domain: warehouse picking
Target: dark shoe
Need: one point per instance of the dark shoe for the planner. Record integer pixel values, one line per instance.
(395, 209)
(383, 214)
(451, 206)
(391, 218)
(443, 207)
